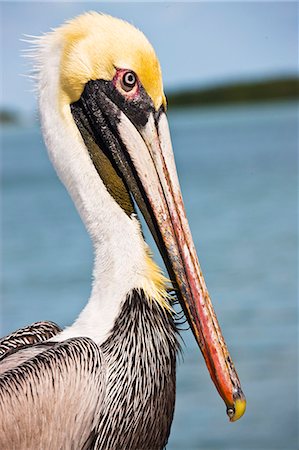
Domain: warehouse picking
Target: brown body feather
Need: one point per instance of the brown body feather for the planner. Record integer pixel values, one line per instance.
(77, 395)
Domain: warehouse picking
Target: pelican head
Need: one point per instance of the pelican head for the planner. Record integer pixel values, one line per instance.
(103, 113)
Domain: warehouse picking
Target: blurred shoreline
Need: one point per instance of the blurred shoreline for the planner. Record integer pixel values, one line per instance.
(233, 93)
(241, 92)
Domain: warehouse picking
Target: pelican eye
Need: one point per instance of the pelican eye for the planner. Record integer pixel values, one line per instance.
(128, 81)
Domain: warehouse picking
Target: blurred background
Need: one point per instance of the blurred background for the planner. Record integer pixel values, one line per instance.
(231, 77)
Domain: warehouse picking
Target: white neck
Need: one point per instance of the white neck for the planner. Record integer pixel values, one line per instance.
(120, 252)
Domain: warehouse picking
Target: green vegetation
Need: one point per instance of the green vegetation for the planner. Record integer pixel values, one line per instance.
(9, 117)
(243, 92)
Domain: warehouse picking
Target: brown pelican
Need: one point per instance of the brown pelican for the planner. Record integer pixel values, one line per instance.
(108, 381)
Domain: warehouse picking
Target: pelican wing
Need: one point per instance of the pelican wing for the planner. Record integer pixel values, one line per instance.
(53, 400)
(24, 337)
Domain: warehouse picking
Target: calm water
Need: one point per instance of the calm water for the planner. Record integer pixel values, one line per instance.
(238, 172)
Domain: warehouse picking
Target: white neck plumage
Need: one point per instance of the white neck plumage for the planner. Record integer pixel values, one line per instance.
(119, 249)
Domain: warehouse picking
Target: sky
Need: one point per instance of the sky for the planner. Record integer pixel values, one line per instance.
(198, 43)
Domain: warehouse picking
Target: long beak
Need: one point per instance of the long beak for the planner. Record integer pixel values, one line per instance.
(141, 151)
(151, 154)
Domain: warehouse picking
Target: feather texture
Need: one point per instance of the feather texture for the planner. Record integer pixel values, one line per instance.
(53, 400)
(78, 395)
(140, 396)
(27, 336)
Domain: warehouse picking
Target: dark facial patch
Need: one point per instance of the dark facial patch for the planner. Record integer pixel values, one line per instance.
(137, 109)
(96, 115)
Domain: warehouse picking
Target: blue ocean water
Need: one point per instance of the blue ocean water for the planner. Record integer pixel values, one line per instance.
(238, 173)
